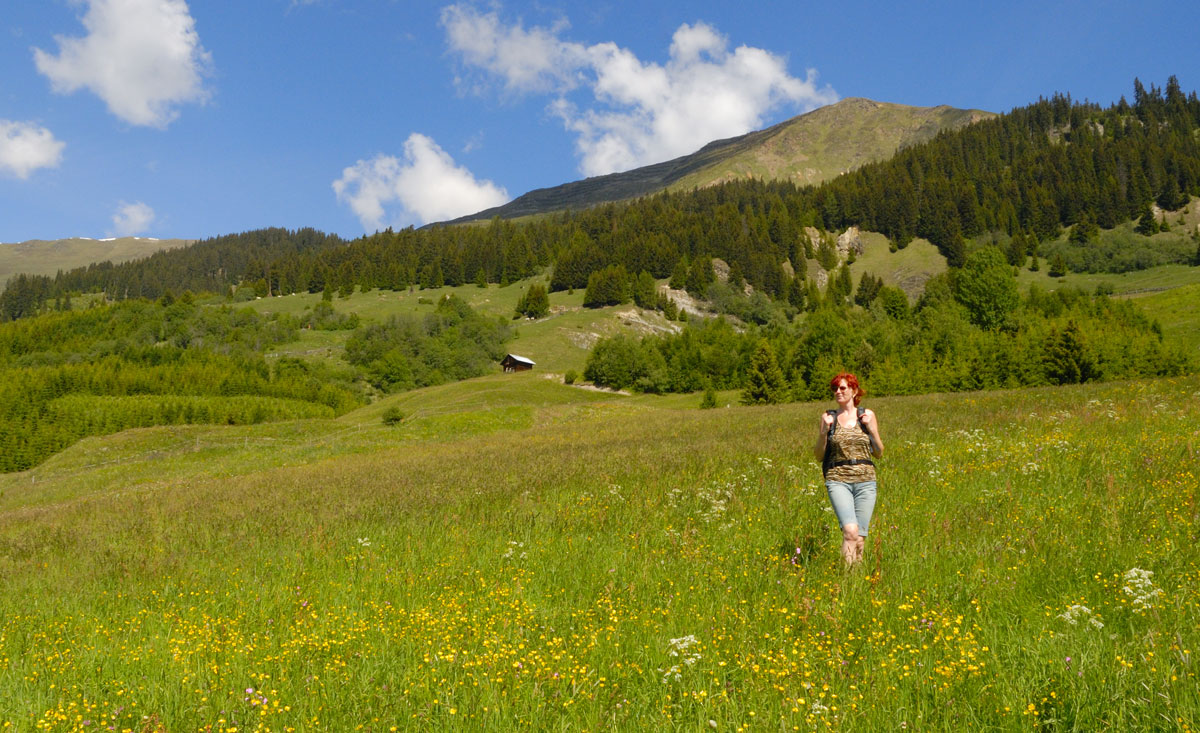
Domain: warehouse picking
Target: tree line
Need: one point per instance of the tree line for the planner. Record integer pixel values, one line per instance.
(137, 363)
(1021, 177)
(67, 375)
(970, 330)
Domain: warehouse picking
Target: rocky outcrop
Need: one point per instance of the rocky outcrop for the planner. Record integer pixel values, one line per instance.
(847, 241)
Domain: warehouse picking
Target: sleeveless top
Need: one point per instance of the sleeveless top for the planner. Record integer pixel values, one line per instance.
(849, 444)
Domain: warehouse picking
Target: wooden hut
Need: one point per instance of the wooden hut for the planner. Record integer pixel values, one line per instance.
(514, 363)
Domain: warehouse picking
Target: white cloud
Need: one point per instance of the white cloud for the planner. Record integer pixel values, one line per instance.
(634, 112)
(25, 147)
(132, 219)
(142, 57)
(533, 60)
(425, 186)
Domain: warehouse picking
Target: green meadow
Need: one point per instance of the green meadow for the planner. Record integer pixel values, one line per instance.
(518, 553)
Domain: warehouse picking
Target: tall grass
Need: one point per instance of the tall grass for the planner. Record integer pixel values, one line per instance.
(612, 564)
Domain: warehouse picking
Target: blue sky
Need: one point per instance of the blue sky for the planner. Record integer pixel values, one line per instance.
(166, 118)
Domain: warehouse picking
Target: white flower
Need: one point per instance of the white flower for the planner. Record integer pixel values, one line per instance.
(1076, 613)
(1140, 588)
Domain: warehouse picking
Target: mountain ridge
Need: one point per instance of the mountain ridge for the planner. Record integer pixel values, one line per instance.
(832, 140)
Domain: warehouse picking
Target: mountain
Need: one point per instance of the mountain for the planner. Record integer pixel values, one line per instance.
(810, 148)
(46, 257)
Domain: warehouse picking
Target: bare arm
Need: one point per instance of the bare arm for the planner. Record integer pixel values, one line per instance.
(822, 436)
(871, 422)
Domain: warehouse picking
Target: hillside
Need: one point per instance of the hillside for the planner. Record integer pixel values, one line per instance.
(521, 553)
(46, 257)
(810, 148)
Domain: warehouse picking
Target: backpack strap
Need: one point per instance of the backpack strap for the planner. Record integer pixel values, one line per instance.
(827, 460)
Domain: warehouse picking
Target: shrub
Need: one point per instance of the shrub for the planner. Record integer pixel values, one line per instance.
(392, 416)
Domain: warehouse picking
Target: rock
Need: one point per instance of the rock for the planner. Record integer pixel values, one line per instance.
(847, 241)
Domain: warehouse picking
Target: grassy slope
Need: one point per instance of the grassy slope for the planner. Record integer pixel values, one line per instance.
(557, 343)
(1177, 310)
(832, 140)
(907, 268)
(525, 552)
(809, 148)
(38, 257)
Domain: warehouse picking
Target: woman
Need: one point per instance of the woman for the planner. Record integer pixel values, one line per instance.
(847, 439)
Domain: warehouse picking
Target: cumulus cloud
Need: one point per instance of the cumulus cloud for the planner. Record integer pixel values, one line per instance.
(132, 219)
(426, 185)
(527, 60)
(142, 57)
(634, 113)
(25, 147)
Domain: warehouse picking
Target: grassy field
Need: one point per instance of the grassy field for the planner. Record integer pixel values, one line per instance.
(558, 342)
(520, 553)
(1177, 309)
(1137, 282)
(38, 257)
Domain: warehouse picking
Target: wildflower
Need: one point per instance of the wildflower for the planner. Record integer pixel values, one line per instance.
(1140, 588)
(682, 649)
(364, 542)
(1076, 613)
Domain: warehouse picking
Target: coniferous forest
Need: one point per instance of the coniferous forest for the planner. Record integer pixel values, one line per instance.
(1025, 175)
(993, 196)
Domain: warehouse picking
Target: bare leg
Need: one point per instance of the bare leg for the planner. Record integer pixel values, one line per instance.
(850, 547)
(859, 547)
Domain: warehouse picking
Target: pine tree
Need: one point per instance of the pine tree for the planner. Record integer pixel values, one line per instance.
(1058, 266)
(535, 302)
(1147, 224)
(737, 281)
(679, 275)
(765, 384)
(645, 290)
(1066, 358)
(1018, 250)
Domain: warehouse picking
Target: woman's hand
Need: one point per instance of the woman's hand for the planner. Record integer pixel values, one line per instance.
(826, 421)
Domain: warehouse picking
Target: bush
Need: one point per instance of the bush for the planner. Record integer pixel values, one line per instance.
(570, 376)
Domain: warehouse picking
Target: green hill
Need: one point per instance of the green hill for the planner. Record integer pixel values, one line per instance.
(46, 257)
(811, 148)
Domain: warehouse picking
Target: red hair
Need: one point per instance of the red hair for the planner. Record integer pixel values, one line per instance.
(851, 382)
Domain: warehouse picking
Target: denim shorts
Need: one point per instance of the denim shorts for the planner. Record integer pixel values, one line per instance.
(853, 503)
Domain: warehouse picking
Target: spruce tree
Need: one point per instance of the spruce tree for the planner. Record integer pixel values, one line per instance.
(534, 303)
(679, 275)
(1058, 266)
(645, 290)
(1147, 224)
(765, 384)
